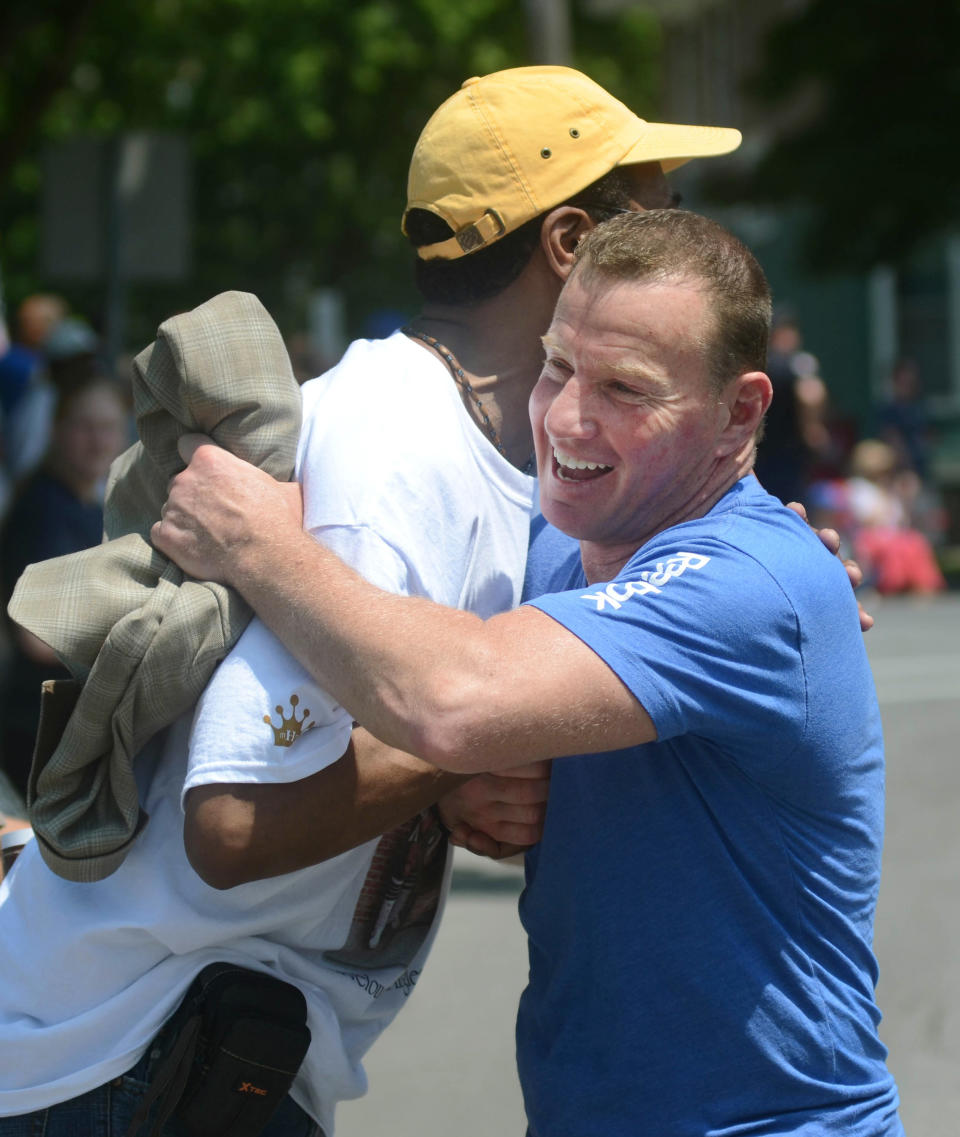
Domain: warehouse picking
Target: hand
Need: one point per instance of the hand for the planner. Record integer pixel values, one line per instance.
(498, 815)
(219, 510)
(830, 539)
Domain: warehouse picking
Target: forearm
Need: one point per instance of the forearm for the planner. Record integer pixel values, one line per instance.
(388, 660)
(239, 833)
(462, 693)
(227, 521)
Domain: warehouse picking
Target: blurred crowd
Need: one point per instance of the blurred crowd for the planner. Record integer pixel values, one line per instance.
(873, 486)
(64, 417)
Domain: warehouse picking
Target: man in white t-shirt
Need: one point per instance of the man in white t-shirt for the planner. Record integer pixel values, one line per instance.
(264, 844)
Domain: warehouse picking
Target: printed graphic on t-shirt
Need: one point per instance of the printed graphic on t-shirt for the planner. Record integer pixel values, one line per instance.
(648, 583)
(291, 726)
(399, 898)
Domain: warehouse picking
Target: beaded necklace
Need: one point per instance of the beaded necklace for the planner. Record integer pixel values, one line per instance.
(461, 381)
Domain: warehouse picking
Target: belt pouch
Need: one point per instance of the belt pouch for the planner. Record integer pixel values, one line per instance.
(238, 1039)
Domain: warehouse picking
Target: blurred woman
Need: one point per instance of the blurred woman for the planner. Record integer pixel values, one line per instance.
(57, 510)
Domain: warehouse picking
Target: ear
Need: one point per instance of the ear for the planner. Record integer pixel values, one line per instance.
(560, 232)
(746, 400)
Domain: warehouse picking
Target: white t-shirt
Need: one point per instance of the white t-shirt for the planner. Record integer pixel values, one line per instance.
(401, 483)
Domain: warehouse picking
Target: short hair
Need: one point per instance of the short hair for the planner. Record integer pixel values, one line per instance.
(485, 273)
(673, 245)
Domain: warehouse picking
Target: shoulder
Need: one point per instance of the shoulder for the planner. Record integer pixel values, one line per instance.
(750, 566)
(388, 397)
(388, 371)
(386, 444)
(553, 560)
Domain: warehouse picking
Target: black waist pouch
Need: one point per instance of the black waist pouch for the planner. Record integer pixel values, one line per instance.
(230, 1054)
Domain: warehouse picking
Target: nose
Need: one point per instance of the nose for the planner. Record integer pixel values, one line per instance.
(568, 415)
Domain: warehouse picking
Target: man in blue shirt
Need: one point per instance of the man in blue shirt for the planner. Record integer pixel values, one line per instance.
(700, 907)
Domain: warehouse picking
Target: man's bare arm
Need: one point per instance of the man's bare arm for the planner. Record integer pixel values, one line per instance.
(238, 833)
(464, 694)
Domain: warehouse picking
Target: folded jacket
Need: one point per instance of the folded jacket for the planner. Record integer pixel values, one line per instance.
(139, 638)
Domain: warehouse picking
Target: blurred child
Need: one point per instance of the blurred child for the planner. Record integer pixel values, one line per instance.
(895, 556)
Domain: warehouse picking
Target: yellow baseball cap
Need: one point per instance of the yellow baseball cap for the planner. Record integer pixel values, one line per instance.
(509, 146)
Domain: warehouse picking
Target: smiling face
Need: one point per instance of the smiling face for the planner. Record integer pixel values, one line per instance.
(632, 435)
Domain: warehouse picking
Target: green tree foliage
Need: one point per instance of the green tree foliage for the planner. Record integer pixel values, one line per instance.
(874, 159)
(300, 116)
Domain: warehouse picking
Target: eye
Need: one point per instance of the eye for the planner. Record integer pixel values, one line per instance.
(556, 369)
(619, 387)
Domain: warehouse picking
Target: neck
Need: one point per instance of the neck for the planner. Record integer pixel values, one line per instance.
(500, 355)
(602, 561)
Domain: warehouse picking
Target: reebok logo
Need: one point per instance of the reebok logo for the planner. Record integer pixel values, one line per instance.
(617, 593)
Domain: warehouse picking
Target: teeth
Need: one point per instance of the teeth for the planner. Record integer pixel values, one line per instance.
(576, 463)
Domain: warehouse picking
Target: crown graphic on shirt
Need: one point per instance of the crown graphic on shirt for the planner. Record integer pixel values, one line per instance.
(290, 729)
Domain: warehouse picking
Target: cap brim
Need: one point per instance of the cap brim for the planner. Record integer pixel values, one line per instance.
(671, 144)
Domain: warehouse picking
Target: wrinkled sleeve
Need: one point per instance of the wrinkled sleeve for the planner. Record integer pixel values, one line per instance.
(706, 641)
(262, 718)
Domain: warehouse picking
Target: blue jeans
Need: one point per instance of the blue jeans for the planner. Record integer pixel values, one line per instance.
(108, 1110)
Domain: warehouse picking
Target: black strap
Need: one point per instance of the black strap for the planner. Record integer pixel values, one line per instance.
(170, 1080)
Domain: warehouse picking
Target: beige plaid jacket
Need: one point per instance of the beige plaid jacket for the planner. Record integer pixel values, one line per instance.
(139, 638)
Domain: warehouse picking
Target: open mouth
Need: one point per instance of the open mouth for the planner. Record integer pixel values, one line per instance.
(569, 469)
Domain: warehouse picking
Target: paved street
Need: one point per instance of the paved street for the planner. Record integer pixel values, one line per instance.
(915, 652)
(446, 1065)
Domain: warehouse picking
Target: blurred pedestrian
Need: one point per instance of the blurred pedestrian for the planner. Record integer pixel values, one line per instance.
(46, 334)
(903, 421)
(880, 509)
(895, 555)
(23, 392)
(795, 430)
(57, 510)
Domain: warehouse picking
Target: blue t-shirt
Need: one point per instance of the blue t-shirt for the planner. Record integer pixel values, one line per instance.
(700, 909)
(553, 559)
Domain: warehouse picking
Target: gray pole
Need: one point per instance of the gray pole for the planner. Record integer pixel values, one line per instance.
(115, 232)
(548, 31)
